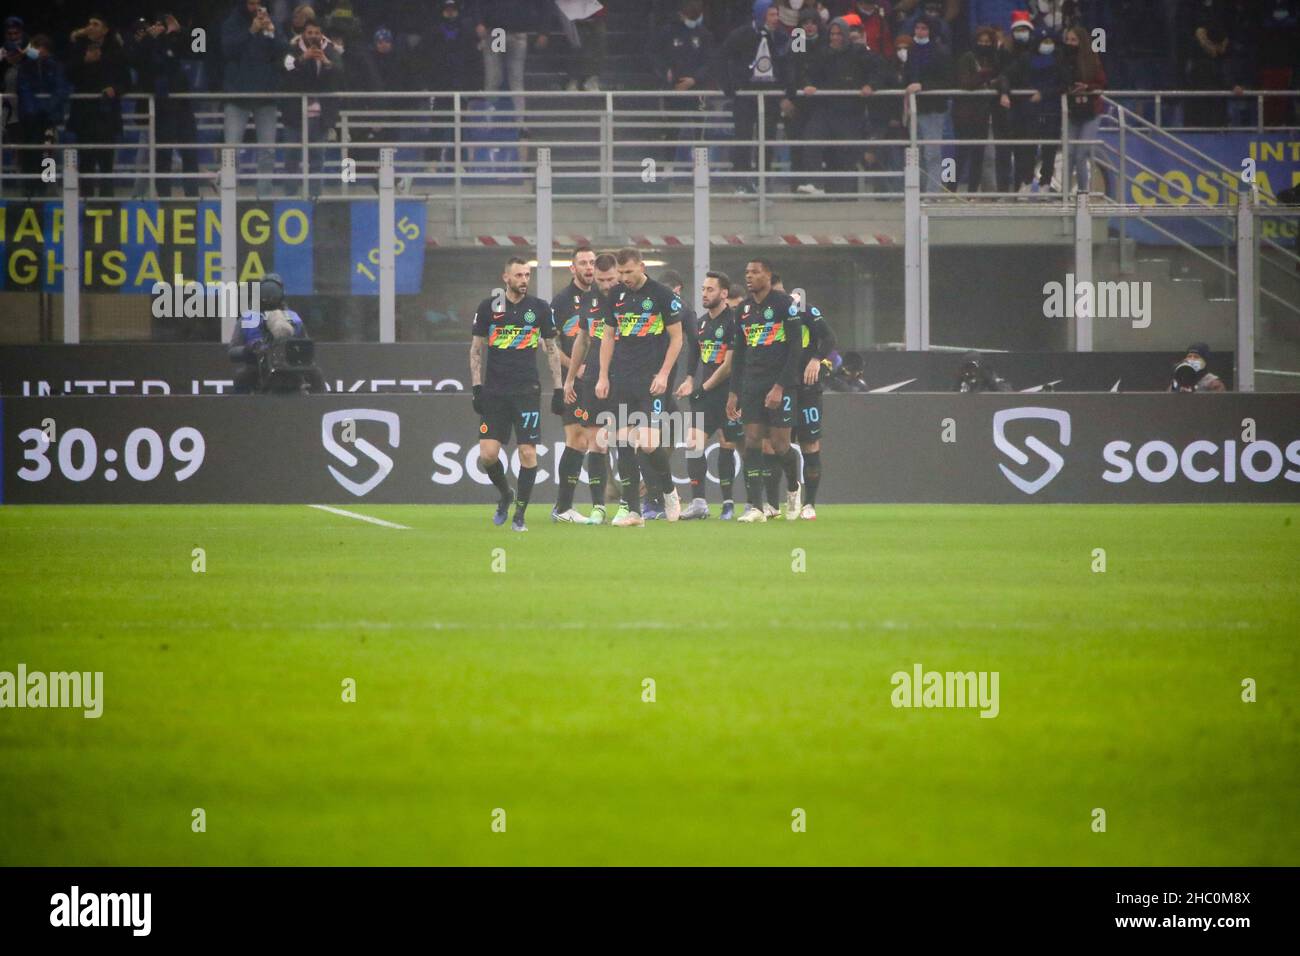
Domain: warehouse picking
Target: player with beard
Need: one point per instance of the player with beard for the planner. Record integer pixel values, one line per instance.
(636, 368)
(764, 380)
(509, 327)
(708, 362)
(580, 384)
(576, 305)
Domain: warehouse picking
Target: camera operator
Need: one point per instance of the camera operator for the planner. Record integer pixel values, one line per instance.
(975, 376)
(257, 346)
(1193, 374)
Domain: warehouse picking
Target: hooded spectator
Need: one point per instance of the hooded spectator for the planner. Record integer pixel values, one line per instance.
(684, 53)
(754, 57)
(876, 33)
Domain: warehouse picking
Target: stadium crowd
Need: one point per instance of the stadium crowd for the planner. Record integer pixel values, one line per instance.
(275, 49)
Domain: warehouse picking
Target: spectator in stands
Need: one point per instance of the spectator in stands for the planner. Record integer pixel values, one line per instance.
(156, 53)
(797, 118)
(15, 52)
(43, 90)
(586, 61)
(1084, 79)
(1046, 78)
(1192, 373)
(886, 119)
(929, 67)
(840, 65)
(876, 33)
(755, 58)
(979, 70)
(1205, 36)
(1013, 117)
(683, 54)
(303, 14)
(504, 26)
(448, 60)
(97, 67)
(313, 65)
(788, 12)
(378, 69)
(253, 53)
(1277, 59)
(1054, 16)
(938, 15)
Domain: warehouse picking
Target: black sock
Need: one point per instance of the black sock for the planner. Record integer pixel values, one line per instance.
(629, 476)
(597, 465)
(754, 477)
(570, 465)
(661, 473)
(726, 471)
(812, 475)
(497, 472)
(772, 478)
(697, 469)
(526, 478)
(790, 462)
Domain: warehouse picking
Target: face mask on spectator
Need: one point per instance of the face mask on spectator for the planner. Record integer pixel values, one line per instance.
(824, 14)
(1020, 36)
(1047, 46)
(33, 53)
(920, 41)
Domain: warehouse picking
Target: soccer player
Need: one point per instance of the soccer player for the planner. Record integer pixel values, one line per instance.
(815, 368)
(765, 377)
(637, 358)
(708, 362)
(509, 327)
(576, 305)
(580, 384)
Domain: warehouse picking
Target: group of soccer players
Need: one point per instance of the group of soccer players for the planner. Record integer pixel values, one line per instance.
(753, 371)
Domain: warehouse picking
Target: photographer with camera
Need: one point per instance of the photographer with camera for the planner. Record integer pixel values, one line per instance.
(271, 347)
(1192, 374)
(975, 376)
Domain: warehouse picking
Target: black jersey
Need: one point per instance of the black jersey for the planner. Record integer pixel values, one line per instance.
(513, 337)
(817, 338)
(767, 340)
(574, 310)
(711, 343)
(641, 320)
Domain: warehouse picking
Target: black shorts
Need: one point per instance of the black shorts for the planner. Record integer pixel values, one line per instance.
(630, 397)
(754, 412)
(714, 410)
(588, 409)
(504, 413)
(808, 418)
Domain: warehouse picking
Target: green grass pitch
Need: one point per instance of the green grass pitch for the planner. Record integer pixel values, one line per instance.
(522, 690)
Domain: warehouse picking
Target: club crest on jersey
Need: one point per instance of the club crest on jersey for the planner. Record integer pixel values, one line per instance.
(768, 313)
(530, 317)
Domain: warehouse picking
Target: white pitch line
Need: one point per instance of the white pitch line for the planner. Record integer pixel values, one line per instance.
(352, 514)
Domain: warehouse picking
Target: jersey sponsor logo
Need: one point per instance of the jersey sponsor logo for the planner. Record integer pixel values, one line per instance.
(759, 334)
(640, 324)
(512, 337)
(712, 351)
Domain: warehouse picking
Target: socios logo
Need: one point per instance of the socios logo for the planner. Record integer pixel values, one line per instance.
(349, 417)
(1055, 462)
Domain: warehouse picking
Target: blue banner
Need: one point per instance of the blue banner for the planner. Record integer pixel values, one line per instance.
(128, 246)
(1272, 158)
